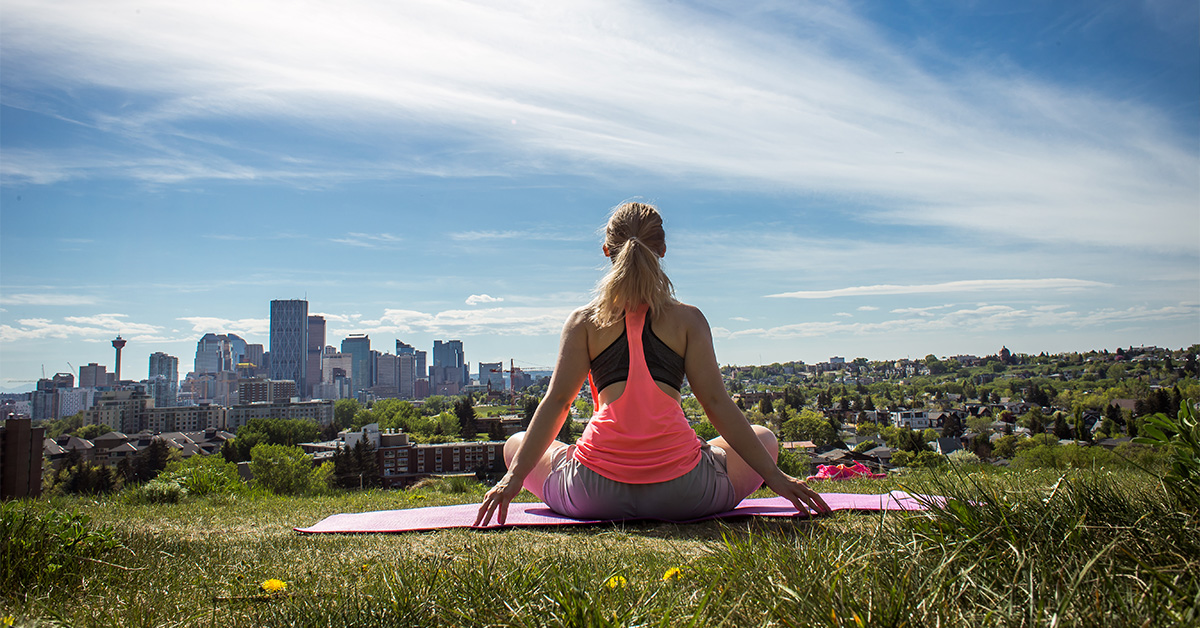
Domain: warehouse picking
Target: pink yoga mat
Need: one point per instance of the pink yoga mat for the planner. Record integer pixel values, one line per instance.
(537, 514)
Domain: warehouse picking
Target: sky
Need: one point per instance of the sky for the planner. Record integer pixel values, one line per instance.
(859, 179)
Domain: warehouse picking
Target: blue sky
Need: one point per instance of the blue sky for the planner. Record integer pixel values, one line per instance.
(880, 180)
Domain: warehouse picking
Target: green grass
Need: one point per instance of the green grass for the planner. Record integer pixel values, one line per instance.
(1015, 548)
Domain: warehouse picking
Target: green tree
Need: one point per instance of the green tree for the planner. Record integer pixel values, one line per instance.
(810, 426)
(528, 408)
(270, 431)
(705, 430)
(344, 411)
(91, 431)
(464, 411)
(288, 470)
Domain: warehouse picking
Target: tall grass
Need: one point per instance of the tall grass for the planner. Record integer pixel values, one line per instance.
(1009, 548)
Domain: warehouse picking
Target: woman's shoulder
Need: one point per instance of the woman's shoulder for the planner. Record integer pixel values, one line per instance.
(686, 316)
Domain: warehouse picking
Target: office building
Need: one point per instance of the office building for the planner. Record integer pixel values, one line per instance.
(166, 367)
(214, 354)
(93, 376)
(260, 389)
(120, 410)
(316, 345)
(491, 374)
(320, 411)
(358, 346)
(254, 355)
(289, 341)
(387, 376)
(449, 372)
(406, 383)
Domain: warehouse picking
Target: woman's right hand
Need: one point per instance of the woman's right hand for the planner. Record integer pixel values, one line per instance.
(497, 499)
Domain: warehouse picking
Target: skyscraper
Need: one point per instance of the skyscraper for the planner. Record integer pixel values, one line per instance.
(166, 367)
(289, 340)
(361, 367)
(316, 345)
(449, 372)
(214, 354)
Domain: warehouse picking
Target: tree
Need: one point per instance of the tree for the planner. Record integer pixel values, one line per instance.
(271, 431)
(344, 411)
(151, 461)
(287, 470)
(810, 426)
(91, 431)
(765, 406)
(1061, 428)
(952, 425)
(530, 406)
(464, 410)
(356, 467)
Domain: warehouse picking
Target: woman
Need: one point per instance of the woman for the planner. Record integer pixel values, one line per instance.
(638, 457)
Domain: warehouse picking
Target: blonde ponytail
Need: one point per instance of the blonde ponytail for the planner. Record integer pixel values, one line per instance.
(636, 243)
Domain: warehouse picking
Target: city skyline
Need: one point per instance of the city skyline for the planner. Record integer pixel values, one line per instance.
(879, 181)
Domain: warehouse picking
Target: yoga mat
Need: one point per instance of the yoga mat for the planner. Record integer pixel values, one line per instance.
(537, 514)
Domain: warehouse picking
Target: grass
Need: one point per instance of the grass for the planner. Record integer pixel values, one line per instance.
(1012, 548)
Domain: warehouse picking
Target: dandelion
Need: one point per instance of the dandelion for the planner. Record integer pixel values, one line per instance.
(274, 585)
(8, 621)
(616, 582)
(673, 573)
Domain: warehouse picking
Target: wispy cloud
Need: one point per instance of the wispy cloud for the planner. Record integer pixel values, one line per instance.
(805, 97)
(518, 234)
(973, 320)
(974, 285)
(369, 240)
(508, 321)
(46, 299)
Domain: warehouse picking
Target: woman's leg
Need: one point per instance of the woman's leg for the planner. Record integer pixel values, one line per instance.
(536, 478)
(745, 480)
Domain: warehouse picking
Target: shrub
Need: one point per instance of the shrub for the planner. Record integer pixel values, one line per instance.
(205, 475)
(46, 550)
(963, 457)
(794, 463)
(1182, 438)
(927, 460)
(157, 491)
(288, 470)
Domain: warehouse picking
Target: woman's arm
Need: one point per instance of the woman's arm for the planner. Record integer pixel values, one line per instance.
(570, 370)
(704, 376)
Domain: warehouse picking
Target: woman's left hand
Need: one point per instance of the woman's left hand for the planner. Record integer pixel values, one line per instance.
(497, 499)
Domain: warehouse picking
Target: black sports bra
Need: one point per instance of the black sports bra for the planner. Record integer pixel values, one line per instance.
(612, 365)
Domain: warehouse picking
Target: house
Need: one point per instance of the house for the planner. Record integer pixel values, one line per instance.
(912, 419)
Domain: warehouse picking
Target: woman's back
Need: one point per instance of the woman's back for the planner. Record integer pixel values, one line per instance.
(671, 325)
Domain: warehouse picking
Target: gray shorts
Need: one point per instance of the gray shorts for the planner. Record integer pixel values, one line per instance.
(574, 490)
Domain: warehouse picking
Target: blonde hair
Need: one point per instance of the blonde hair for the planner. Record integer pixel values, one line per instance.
(636, 243)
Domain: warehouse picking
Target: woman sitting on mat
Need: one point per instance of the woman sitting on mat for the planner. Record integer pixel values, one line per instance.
(638, 457)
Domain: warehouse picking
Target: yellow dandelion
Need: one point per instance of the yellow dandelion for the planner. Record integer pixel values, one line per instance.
(616, 582)
(274, 585)
(673, 573)
(833, 615)
(8, 621)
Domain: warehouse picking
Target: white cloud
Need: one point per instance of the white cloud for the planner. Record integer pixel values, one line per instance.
(981, 318)
(46, 299)
(844, 314)
(242, 326)
(974, 285)
(505, 321)
(739, 318)
(476, 299)
(867, 308)
(93, 328)
(804, 97)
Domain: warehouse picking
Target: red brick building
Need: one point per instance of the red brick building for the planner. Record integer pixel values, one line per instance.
(20, 458)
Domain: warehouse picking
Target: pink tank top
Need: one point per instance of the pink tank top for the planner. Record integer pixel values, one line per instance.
(643, 436)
